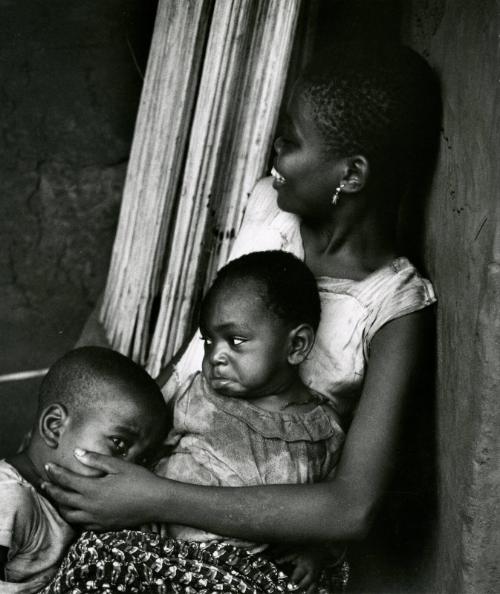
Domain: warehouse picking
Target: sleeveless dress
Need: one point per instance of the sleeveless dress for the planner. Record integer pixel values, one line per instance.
(352, 312)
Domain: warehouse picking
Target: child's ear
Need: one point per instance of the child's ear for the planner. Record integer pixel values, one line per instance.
(357, 170)
(52, 423)
(301, 340)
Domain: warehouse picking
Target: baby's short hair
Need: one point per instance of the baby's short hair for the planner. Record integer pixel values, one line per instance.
(380, 102)
(284, 283)
(76, 380)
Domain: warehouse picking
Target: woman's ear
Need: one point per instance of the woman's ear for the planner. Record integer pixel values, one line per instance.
(357, 171)
(301, 340)
(52, 423)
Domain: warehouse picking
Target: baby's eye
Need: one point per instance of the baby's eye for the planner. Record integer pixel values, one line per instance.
(120, 447)
(206, 340)
(237, 340)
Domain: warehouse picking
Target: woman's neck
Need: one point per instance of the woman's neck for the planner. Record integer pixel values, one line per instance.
(349, 244)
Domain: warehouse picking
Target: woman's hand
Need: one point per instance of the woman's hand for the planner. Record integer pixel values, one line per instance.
(117, 499)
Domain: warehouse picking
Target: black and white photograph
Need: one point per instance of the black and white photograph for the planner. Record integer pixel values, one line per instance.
(249, 296)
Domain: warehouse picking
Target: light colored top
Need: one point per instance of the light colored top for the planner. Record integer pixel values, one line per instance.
(35, 534)
(223, 441)
(351, 311)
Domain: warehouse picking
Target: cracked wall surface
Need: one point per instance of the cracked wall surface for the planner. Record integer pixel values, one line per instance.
(460, 39)
(70, 79)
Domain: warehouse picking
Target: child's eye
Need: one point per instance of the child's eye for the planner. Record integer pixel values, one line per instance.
(237, 340)
(206, 340)
(120, 447)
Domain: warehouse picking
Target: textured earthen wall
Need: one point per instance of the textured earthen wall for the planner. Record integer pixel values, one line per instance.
(463, 256)
(69, 89)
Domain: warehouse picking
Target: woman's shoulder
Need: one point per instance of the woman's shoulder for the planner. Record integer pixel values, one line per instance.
(262, 202)
(393, 291)
(263, 206)
(397, 282)
(265, 226)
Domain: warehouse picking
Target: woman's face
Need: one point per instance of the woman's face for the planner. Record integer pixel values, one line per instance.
(305, 177)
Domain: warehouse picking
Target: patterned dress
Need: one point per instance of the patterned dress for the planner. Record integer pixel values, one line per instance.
(132, 561)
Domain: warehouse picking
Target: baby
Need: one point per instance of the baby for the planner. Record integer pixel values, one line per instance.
(92, 398)
(247, 418)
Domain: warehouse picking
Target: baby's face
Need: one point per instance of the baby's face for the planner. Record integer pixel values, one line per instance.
(119, 427)
(246, 346)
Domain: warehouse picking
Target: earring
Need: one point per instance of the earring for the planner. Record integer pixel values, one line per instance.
(336, 195)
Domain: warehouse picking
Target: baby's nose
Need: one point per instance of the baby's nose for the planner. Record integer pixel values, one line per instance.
(217, 355)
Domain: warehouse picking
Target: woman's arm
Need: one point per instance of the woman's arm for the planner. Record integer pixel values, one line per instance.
(338, 510)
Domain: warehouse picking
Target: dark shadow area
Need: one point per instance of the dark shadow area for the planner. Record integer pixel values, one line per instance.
(358, 22)
(70, 79)
(395, 556)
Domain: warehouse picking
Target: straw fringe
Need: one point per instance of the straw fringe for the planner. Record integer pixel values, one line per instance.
(193, 214)
(160, 138)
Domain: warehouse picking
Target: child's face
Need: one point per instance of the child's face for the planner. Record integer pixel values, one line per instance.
(307, 176)
(246, 346)
(119, 427)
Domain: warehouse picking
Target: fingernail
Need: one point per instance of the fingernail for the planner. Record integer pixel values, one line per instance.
(48, 466)
(79, 452)
(43, 485)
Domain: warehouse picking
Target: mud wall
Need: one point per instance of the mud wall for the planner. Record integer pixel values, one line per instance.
(462, 244)
(69, 88)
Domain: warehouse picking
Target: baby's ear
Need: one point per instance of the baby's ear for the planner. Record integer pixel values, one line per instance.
(51, 424)
(301, 340)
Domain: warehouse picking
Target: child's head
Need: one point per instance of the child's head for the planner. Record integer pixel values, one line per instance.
(97, 399)
(258, 321)
(366, 118)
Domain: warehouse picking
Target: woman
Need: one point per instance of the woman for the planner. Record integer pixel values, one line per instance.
(355, 132)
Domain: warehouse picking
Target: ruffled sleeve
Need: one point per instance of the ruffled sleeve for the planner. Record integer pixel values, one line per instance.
(396, 291)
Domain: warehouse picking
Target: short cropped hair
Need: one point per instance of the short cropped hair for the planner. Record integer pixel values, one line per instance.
(284, 283)
(382, 103)
(76, 380)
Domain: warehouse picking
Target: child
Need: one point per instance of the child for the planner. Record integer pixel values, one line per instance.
(91, 398)
(246, 418)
